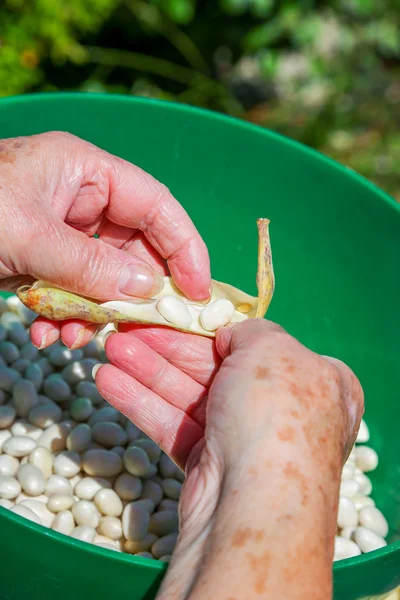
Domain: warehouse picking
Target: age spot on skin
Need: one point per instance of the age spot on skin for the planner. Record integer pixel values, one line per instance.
(260, 565)
(286, 434)
(261, 372)
(7, 150)
(241, 536)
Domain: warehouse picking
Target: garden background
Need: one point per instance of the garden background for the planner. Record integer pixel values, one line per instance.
(324, 72)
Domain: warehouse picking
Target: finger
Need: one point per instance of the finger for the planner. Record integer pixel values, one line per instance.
(69, 259)
(139, 246)
(44, 333)
(138, 360)
(139, 201)
(76, 334)
(194, 355)
(173, 430)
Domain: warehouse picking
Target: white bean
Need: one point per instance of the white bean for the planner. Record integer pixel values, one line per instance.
(22, 427)
(152, 450)
(128, 487)
(88, 389)
(79, 439)
(58, 502)
(118, 450)
(81, 409)
(164, 522)
(166, 558)
(24, 397)
(56, 388)
(363, 433)
(64, 522)
(17, 334)
(172, 488)
(146, 503)
(347, 514)
(8, 377)
(8, 465)
(55, 437)
(30, 352)
(103, 463)
(41, 457)
(57, 484)
(366, 458)
(164, 545)
(20, 365)
(347, 472)
(9, 351)
(40, 509)
(345, 549)
(133, 432)
(373, 519)
(105, 414)
(9, 487)
(61, 357)
(216, 314)
(67, 464)
(111, 527)
(135, 522)
(361, 501)
(167, 504)
(34, 374)
(84, 533)
(349, 488)
(364, 483)
(19, 445)
(31, 479)
(7, 416)
(6, 503)
(79, 370)
(347, 533)
(87, 487)
(108, 503)
(45, 415)
(27, 513)
(174, 311)
(4, 435)
(136, 461)
(368, 540)
(109, 434)
(140, 546)
(44, 365)
(152, 490)
(85, 513)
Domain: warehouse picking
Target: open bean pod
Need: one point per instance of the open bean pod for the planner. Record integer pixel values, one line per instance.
(169, 307)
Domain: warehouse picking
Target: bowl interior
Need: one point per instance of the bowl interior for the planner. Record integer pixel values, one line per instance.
(335, 241)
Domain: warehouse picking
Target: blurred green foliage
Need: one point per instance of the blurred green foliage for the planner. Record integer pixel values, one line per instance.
(324, 72)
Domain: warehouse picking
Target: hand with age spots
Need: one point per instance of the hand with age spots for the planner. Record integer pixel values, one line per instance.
(262, 426)
(56, 192)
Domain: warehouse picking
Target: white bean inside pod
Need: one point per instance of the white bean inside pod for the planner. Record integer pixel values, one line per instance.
(175, 311)
(169, 307)
(217, 314)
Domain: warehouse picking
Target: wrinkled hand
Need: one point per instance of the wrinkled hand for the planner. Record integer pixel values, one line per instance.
(56, 192)
(254, 413)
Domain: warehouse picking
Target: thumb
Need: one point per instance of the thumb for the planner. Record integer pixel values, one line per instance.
(67, 258)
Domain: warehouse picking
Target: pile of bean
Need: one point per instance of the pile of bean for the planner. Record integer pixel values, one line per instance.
(361, 526)
(71, 462)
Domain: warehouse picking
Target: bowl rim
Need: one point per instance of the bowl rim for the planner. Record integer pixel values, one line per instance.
(38, 97)
(391, 204)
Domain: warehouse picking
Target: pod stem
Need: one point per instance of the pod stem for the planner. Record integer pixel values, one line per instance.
(265, 270)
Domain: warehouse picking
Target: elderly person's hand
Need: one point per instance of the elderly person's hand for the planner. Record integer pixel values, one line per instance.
(262, 427)
(56, 192)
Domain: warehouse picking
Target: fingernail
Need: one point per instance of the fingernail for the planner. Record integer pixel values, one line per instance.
(107, 335)
(49, 338)
(137, 280)
(95, 369)
(84, 336)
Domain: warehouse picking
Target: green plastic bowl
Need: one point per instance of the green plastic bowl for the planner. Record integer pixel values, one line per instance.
(336, 248)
